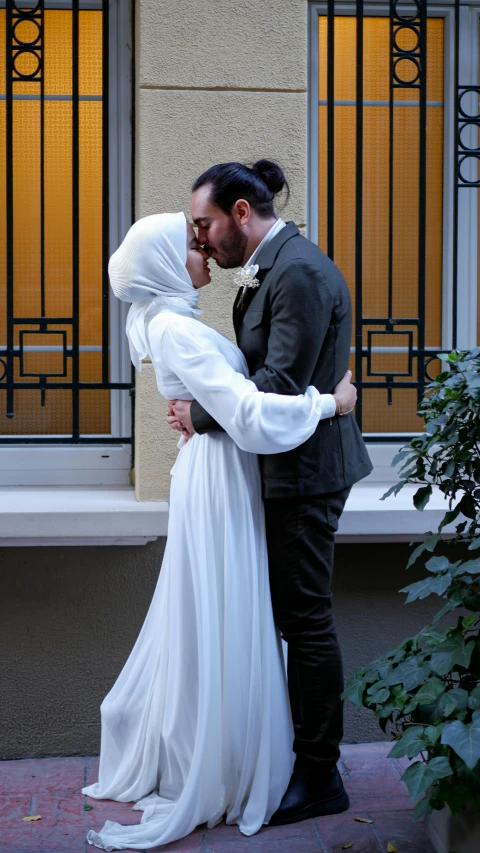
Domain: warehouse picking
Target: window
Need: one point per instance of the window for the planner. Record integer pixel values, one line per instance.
(394, 171)
(65, 183)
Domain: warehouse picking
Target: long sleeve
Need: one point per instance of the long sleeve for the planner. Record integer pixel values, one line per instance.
(202, 421)
(257, 422)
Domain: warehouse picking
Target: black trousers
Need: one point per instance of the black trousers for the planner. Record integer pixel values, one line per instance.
(300, 539)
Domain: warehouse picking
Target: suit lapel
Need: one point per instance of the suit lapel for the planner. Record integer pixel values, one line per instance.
(268, 255)
(244, 300)
(265, 261)
(236, 310)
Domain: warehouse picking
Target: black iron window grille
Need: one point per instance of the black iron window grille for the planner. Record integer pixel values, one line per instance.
(56, 333)
(394, 137)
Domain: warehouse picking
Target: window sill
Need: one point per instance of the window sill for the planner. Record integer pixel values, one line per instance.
(76, 515)
(366, 518)
(112, 516)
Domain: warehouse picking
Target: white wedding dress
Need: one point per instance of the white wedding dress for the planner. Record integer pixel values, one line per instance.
(197, 725)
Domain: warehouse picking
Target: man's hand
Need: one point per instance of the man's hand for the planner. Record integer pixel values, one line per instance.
(178, 417)
(345, 395)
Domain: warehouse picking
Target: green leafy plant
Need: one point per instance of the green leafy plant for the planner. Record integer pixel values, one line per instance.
(426, 691)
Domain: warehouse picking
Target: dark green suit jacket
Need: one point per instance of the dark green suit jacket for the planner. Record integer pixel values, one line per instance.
(295, 330)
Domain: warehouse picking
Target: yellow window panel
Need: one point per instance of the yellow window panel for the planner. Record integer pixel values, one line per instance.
(55, 417)
(377, 415)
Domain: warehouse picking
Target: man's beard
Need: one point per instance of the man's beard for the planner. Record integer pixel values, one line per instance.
(231, 250)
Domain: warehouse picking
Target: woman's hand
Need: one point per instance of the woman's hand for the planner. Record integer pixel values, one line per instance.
(178, 417)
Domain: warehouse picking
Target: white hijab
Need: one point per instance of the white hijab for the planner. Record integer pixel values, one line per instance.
(148, 269)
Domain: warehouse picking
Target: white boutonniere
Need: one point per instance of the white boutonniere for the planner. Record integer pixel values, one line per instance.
(246, 277)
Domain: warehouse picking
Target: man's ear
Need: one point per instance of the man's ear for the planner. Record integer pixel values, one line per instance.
(241, 211)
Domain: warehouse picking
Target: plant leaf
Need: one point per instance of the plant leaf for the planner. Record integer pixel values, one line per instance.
(379, 697)
(354, 693)
(472, 567)
(440, 583)
(422, 808)
(474, 699)
(393, 490)
(430, 691)
(363, 820)
(428, 545)
(410, 673)
(410, 744)
(467, 506)
(391, 848)
(464, 740)
(418, 590)
(453, 700)
(432, 733)
(402, 454)
(419, 776)
(453, 652)
(437, 564)
(422, 497)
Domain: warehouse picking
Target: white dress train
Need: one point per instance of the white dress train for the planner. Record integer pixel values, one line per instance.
(197, 725)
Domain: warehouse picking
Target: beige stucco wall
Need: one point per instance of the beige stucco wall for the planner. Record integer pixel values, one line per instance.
(215, 82)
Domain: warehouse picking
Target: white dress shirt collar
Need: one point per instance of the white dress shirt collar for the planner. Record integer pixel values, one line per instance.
(276, 227)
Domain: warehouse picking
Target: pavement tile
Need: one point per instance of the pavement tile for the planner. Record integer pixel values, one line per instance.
(336, 831)
(401, 764)
(296, 845)
(55, 808)
(384, 785)
(224, 832)
(51, 787)
(361, 764)
(30, 838)
(380, 749)
(374, 784)
(91, 770)
(103, 810)
(14, 806)
(191, 844)
(406, 834)
(47, 775)
(360, 804)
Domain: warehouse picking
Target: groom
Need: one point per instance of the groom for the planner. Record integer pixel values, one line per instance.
(293, 324)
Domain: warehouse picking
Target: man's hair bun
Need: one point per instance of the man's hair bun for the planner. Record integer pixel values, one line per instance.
(257, 184)
(271, 174)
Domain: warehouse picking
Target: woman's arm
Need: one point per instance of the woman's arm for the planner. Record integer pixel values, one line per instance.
(258, 422)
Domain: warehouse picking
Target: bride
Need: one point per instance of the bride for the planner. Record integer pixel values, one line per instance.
(197, 725)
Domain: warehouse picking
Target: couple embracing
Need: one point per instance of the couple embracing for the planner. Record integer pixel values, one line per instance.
(202, 723)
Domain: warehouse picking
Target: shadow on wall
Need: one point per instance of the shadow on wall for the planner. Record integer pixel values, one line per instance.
(69, 617)
(371, 616)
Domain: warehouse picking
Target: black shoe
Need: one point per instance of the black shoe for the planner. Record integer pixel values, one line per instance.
(305, 798)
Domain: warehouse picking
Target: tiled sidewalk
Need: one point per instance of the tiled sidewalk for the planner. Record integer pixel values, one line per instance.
(50, 787)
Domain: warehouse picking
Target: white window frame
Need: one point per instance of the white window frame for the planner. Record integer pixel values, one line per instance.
(382, 452)
(95, 464)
